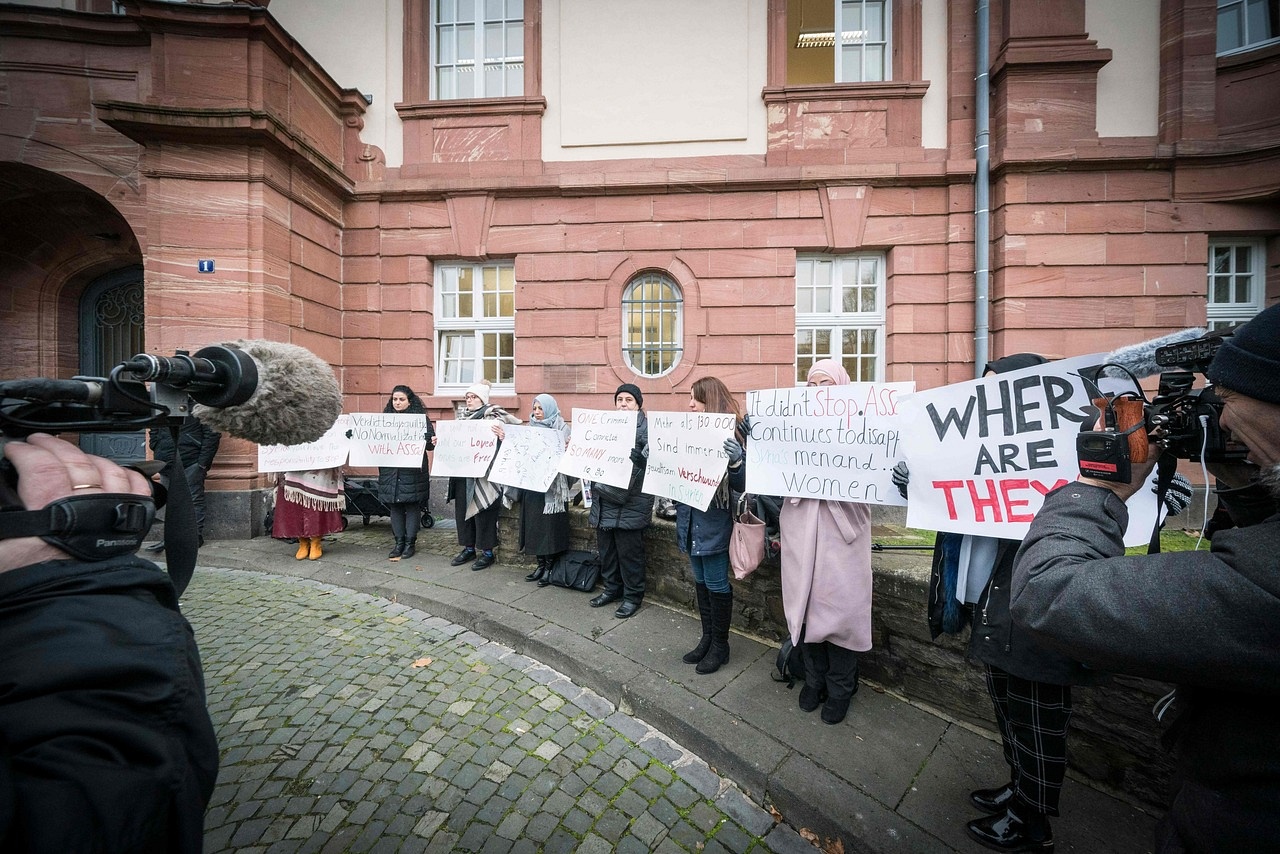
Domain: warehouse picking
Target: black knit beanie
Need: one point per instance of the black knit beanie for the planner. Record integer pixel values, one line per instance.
(1249, 361)
(632, 390)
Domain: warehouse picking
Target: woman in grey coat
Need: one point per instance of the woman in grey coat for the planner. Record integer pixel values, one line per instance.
(406, 490)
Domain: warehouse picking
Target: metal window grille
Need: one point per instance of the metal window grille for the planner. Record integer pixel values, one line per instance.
(652, 325)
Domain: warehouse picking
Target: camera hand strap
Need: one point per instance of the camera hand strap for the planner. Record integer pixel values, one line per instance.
(90, 527)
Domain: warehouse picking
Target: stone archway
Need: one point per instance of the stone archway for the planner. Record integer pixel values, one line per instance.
(57, 237)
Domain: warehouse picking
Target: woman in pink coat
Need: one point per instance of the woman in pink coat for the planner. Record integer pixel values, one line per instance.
(826, 585)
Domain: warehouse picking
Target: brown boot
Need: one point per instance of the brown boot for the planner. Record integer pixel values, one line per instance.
(304, 547)
(316, 551)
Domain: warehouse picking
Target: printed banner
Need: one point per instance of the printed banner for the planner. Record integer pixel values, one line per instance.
(686, 456)
(391, 439)
(464, 448)
(328, 451)
(600, 446)
(984, 453)
(837, 443)
(529, 457)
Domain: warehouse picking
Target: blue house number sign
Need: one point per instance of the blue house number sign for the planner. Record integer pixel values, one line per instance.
(205, 265)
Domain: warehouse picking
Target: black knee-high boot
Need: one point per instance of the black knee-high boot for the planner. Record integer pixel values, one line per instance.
(842, 682)
(699, 652)
(816, 665)
(721, 615)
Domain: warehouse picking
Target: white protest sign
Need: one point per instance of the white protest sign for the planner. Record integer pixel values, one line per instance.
(464, 448)
(686, 455)
(837, 443)
(327, 452)
(529, 458)
(600, 447)
(984, 453)
(391, 439)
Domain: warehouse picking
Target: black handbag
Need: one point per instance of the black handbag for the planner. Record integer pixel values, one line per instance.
(575, 570)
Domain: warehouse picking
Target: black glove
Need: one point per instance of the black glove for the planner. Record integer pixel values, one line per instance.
(901, 477)
(1178, 496)
(637, 457)
(733, 451)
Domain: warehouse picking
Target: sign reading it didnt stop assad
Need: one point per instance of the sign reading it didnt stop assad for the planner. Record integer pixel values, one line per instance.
(837, 443)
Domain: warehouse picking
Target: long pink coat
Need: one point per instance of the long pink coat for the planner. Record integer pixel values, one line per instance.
(826, 571)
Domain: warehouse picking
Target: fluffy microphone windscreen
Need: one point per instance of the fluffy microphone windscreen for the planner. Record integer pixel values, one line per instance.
(1140, 358)
(296, 400)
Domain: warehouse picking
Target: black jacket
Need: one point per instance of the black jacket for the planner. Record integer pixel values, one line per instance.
(1209, 621)
(994, 638)
(196, 442)
(105, 740)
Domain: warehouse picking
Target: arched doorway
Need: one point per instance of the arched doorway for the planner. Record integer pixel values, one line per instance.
(112, 329)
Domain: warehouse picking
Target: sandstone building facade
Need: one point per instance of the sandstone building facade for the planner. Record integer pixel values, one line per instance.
(563, 195)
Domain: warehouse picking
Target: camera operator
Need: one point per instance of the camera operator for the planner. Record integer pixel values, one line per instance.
(105, 740)
(1208, 621)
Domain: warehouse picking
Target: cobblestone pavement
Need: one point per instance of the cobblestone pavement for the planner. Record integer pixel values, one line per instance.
(351, 723)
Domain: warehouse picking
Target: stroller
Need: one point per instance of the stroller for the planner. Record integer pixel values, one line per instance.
(363, 501)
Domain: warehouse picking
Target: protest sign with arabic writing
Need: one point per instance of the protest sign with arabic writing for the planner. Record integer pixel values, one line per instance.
(529, 457)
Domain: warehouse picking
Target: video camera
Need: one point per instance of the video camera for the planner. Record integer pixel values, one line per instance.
(1185, 422)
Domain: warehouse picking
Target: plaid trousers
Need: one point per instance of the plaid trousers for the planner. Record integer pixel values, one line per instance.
(1033, 718)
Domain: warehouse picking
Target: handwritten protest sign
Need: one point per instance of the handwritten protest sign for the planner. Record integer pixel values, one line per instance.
(390, 439)
(984, 453)
(686, 455)
(464, 448)
(600, 446)
(529, 458)
(326, 452)
(838, 443)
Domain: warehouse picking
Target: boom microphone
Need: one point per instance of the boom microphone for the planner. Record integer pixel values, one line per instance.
(1140, 359)
(294, 400)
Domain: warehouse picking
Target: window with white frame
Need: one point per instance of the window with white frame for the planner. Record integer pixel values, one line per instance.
(475, 325)
(861, 53)
(1247, 24)
(1236, 281)
(477, 48)
(840, 314)
(652, 324)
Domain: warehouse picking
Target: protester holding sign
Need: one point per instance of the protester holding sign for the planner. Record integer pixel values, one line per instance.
(544, 516)
(704, 534)
(620, 517)
(406, 491)
(309, 505)
(826, 585)
(475, 499)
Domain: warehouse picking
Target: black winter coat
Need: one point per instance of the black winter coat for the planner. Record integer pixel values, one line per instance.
(105, 740)
(994, 638)
(196, 442)
(405, 485)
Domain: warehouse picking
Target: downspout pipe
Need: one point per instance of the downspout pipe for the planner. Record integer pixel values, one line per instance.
(982, 191)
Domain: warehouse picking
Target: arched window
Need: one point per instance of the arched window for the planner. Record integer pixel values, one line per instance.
(652, 324)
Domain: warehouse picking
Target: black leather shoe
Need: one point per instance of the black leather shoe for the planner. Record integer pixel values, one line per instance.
(626, 609)
(155, 547)
(1008, 832)
(462, 557)
(992, 801)
(483, 562)
(604, 599)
